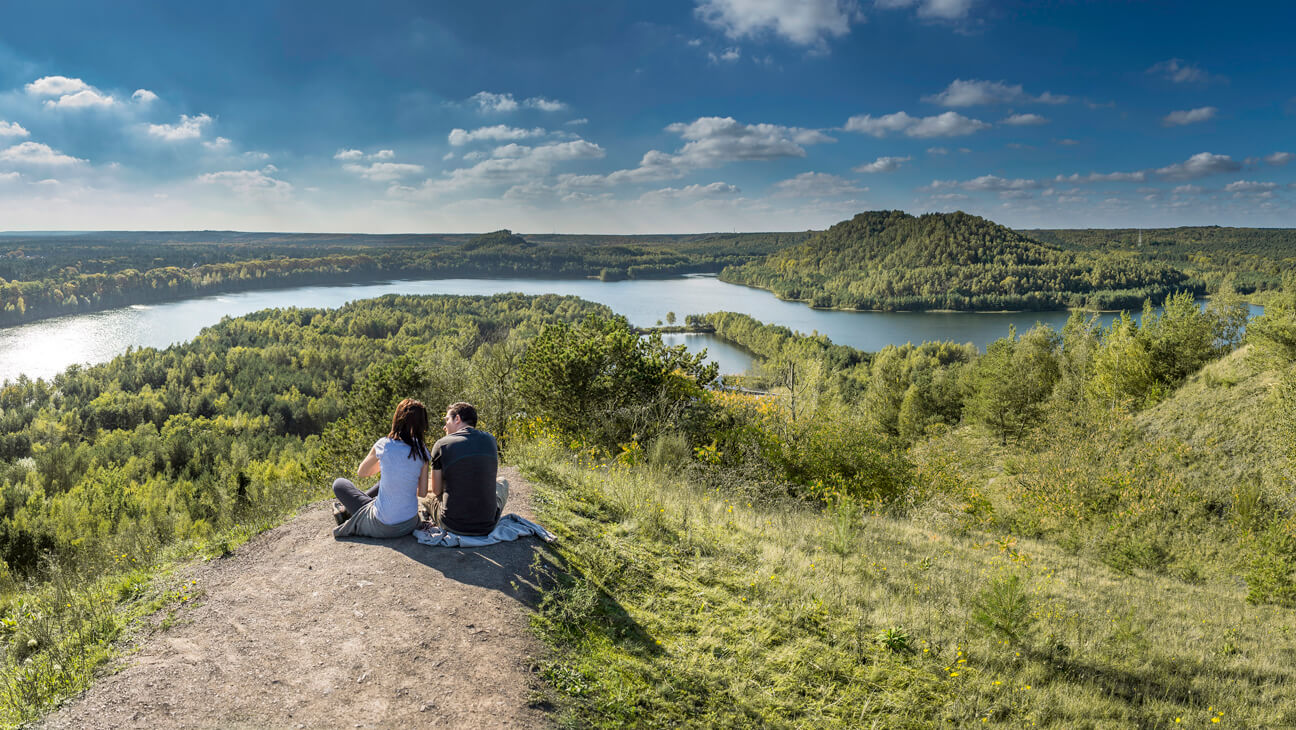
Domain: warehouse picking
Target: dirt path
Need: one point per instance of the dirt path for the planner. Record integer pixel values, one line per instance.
(299, 630)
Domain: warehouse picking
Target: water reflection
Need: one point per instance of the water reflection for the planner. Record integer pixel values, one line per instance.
(42, 349)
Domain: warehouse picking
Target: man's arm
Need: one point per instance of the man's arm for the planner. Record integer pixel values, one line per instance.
(438, 486)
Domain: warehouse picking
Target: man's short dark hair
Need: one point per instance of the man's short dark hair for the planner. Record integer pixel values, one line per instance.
(463, 411)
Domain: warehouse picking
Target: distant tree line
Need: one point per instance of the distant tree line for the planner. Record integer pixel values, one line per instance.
(46, 279)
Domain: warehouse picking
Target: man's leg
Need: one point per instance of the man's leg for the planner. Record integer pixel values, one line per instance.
(501, 496)
(352, 498)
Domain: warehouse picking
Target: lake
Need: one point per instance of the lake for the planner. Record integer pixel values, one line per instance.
(42, 349)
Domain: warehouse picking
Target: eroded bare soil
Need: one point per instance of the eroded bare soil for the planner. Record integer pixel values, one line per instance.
(296, 629)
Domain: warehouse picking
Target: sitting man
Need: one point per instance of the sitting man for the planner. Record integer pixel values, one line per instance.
(464, 464)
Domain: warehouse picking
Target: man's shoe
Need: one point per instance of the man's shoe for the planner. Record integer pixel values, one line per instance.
(340, 513)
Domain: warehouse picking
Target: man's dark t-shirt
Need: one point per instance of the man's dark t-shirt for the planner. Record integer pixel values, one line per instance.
(469, 461)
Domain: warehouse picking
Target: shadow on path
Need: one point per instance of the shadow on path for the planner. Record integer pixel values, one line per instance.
(516, 569)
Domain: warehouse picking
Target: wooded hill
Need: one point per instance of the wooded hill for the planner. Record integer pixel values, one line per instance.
(891, 260)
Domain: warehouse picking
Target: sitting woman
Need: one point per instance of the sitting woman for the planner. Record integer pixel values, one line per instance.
(390, 508)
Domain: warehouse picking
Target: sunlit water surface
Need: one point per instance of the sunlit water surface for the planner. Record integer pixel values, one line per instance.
(42, 349)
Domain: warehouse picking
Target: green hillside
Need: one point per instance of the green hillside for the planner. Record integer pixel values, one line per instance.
(891, 260)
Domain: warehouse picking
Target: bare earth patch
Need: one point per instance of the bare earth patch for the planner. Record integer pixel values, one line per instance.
(296, 629)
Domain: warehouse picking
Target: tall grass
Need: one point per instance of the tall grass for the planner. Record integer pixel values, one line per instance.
(683, 605)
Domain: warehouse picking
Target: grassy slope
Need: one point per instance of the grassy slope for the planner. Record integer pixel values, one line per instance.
(693, 607)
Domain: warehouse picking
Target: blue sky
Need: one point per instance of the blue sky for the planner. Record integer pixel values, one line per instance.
(605, 117)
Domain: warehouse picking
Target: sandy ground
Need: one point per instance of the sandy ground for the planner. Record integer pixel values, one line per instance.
(298, 630)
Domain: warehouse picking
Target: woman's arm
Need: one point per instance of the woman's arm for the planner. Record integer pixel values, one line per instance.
(369, 466)
(423, 481)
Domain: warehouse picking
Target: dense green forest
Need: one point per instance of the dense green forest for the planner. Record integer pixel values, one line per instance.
(891, 260)
(1250, 259)
(48, 276)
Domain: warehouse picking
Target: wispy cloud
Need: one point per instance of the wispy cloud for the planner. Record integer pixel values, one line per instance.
(972, 92)
(1189, 116)
(1179, 71)
(816, 185)
(250, 183)
(940, 9)
(949, 124)
(384, 171)
(882, 164)
(144, 96)
(499, 132)
(1024, 120)
(690, 193)
(489, 102)
(729, 55)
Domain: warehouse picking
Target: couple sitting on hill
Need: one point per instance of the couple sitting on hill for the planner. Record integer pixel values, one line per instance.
(466, 499)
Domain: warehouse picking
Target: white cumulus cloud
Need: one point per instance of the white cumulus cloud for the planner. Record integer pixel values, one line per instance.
(12, 129)
(35, 153)
(499, 132)
(882, 164)
(1277, 158)
(804, 22)
(144, 96)
(949, 124)
(55, 86)
(187, 128)
(81, 100)
(1199, 165)
(348, 154)
(1189, 116)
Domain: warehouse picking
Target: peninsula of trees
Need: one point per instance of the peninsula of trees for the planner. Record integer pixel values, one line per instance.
(890, 260)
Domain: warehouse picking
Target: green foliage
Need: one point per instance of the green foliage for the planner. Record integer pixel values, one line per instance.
(1004, 608)
(1271, 576)
(893, 261)
(601, 380)
(1274, 332)
(1012, 381)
